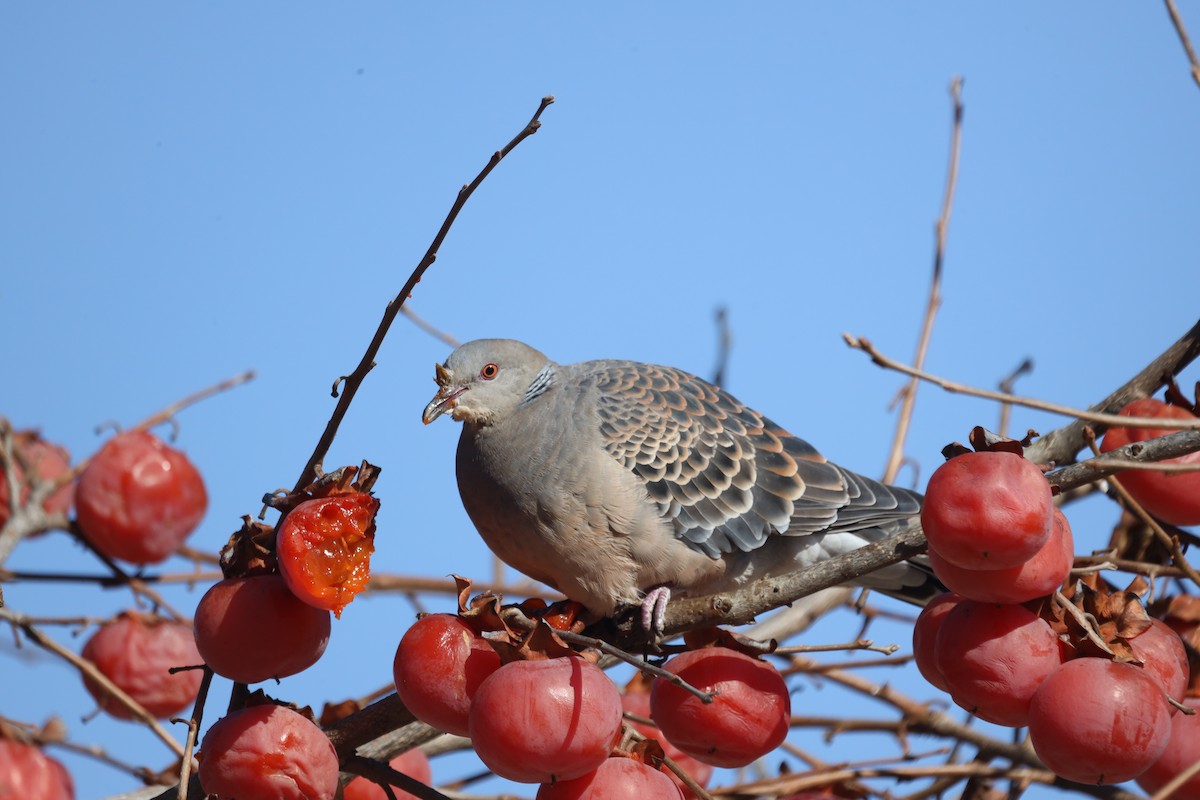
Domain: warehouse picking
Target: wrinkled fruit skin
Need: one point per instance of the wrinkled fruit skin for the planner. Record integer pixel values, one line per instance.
(994, 657)
(139, 499)
(1043, 573)
(638, 703)
(438, 667)
(925, 632)
(252, 629)
(545, 721)
(747, 718)
(1163, 658)
(136, 653)
(1171, 498)
(412, 763)
(1183, 750)
(1097, 721)
(988, 510)
(268, 752)
(26, 773)
(324, 548)
(48, 461)
(616, 779)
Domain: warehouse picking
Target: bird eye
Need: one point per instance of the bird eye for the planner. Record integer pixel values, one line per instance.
(489, 371)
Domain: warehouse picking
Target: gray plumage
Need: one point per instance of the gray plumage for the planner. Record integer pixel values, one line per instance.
(606, 479)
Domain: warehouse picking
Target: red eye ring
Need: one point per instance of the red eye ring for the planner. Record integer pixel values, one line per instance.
(489, 371)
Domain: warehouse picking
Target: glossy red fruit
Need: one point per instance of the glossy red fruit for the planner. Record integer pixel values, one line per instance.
(48, 461)
(545, 721)
(994, 657)
(136, 652)
(139, 499)
(987, 510)
(268, 752)
(747, 719)
(618, 778)
(324, 548)
(925, 632)
(1164, 658)
(638, 703)
(1181, 752)
(26, 772)
(413, 763)
(252, 629)
(1042, 574)
(1173, 498)
(439, 665)
(1098, 721)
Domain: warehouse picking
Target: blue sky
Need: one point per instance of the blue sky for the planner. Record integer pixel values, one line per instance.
(193, 190)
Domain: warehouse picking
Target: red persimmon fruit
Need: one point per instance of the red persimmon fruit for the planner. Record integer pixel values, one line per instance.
(139, 499)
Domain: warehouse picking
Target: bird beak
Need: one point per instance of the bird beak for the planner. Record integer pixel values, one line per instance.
(446, 397)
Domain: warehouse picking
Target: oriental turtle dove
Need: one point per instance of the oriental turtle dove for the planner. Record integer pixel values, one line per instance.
(616, 481)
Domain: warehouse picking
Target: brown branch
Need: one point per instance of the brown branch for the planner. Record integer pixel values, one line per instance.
(1099, 418)
(904, 418)
(185, 763)
(743, 605)
(352, 382)
(89, 670)
(433, 331)
(1177, 21)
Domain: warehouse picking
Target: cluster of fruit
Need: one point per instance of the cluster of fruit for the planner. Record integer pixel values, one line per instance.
(557, 720)
(270, 619)
(1093, 677)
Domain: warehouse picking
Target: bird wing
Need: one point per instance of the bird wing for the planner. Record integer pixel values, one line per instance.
(727, 476)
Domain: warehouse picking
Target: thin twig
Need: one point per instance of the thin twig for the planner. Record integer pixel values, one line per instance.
(185, 763)
(724, 341)
(1006, 386)
(1168, 541)
(904, 418)
(861, 644)
(424, 325)
(1177, 21)
(859, 343)
(353, 381)
(88, 669)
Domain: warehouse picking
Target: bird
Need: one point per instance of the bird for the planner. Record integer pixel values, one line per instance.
(620, 483)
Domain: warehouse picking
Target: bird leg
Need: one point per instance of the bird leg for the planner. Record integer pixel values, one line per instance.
(654, 611)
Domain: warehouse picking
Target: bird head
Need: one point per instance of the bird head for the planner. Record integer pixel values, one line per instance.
(484, 380)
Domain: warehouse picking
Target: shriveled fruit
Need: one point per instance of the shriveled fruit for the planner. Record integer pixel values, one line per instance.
(136, 652)
(994, 657)
(324, 548)
(268, 752)
(638, 704)
(925, 632)
(617, 778)
(987, 510)
(747, 718)
(413, 763)
(251, 629)
(1172, 497)
(1181, 752)
(545, 721)
(139, 499)
(48, 461)
(1044, 572)
(26, 772)
(1098, 721)
(439, 665)
(1163, 657)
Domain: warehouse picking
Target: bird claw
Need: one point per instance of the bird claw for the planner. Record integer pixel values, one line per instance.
(654, 611)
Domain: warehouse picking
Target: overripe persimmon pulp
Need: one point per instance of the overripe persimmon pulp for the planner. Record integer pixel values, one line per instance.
(325, 548)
